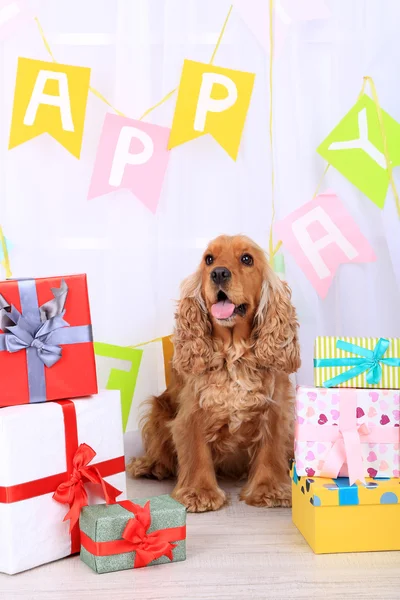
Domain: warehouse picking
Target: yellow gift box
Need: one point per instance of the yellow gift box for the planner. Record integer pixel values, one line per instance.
(334, 516)
(357, 362)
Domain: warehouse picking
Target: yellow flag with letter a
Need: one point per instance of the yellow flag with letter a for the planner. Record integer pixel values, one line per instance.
(211, 100)
(49, 98)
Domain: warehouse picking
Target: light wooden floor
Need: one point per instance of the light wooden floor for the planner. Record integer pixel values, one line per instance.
(240, 552)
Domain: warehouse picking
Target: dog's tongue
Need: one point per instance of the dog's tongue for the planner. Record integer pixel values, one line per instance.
(223, 309)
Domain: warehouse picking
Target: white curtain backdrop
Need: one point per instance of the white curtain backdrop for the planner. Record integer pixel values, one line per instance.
(135, 260)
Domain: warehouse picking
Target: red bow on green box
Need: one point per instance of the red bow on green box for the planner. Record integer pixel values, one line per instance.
(148, 546)
(136, 538)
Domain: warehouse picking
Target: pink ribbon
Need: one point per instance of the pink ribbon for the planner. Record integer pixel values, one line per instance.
(346, 438)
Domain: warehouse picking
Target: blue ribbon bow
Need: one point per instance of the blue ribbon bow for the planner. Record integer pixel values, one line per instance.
(371, 362)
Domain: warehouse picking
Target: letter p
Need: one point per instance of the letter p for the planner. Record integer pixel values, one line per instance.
(207, 104)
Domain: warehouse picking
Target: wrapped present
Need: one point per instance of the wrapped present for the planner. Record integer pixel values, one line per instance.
(46, 347)
(335, 516)
(56, 457)
(133, 534)
(357, 362)
(347, 432)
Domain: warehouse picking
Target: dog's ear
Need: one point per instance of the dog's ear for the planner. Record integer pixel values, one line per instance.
(192, 335)
(275, 331)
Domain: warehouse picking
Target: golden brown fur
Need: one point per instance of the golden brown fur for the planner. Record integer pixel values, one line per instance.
(229, 407)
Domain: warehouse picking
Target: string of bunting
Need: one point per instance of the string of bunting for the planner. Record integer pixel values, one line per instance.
(134, 154)
(370, 171)
(73, 139)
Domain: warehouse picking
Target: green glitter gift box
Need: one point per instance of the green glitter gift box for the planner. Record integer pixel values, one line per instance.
(133, 534)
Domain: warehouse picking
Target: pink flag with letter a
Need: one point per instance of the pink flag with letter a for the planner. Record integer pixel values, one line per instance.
(321, 235)
(131, 155)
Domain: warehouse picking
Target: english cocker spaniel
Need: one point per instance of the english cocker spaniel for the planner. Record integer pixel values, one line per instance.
(229, 407)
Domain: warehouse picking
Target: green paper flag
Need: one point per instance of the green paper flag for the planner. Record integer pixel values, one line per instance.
(125, 381)
(355, 149)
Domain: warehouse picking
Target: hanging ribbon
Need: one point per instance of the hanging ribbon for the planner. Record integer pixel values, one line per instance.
(272, 250)
(47, 485)
(6, 259)
(165, 98)
(136, 538)
(375, 98)
(73, 491)
(370, 362)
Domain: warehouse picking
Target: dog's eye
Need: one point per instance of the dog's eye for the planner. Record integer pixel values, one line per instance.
(209, 259)
(247, 259)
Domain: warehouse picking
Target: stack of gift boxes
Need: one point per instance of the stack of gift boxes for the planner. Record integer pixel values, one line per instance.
(345, 478)
(62, 468)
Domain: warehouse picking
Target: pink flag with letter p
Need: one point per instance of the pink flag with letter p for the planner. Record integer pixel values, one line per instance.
(131, 155)
(321, 235)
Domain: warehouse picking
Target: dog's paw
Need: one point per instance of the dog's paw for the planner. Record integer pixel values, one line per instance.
(200, 499)
(144, 467)
(267, 494)
(140, 467)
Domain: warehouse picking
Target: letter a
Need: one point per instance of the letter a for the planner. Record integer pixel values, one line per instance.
(39, 97)
(311, 248)
(321, 235)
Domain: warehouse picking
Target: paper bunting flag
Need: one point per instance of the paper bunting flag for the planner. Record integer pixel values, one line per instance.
(211, 100)
(321, 235)
(131, 155)
(125, 381)
(355, 149)
(255, 13)
(49, 98)
(168, 351)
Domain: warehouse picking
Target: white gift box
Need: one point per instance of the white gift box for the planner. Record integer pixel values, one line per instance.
(33, 448)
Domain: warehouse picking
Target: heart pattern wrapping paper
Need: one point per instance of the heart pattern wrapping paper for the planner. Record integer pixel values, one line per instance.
(376, 410)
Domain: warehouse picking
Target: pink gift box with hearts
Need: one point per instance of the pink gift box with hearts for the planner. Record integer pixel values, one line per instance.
(347, 433)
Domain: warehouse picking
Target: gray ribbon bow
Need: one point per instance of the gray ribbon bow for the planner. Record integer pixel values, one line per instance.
(39, 330)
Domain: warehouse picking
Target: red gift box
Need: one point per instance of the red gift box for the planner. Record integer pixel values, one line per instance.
(46, 345)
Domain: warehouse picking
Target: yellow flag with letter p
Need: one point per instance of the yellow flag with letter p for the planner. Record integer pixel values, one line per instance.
(211, 100)
(49, 98)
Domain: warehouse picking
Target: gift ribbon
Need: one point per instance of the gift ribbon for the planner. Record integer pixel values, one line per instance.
(136, 538)
(73, 491)
(46, 485)
(346, 438)
(39, 330)
(370, 362)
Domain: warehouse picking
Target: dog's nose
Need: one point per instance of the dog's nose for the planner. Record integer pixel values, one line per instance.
(220, 275)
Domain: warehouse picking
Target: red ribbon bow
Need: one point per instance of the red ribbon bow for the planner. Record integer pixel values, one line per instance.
(148, 546)
(73, 492)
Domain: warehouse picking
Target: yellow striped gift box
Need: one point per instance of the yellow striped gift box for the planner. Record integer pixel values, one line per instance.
(325, 347)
